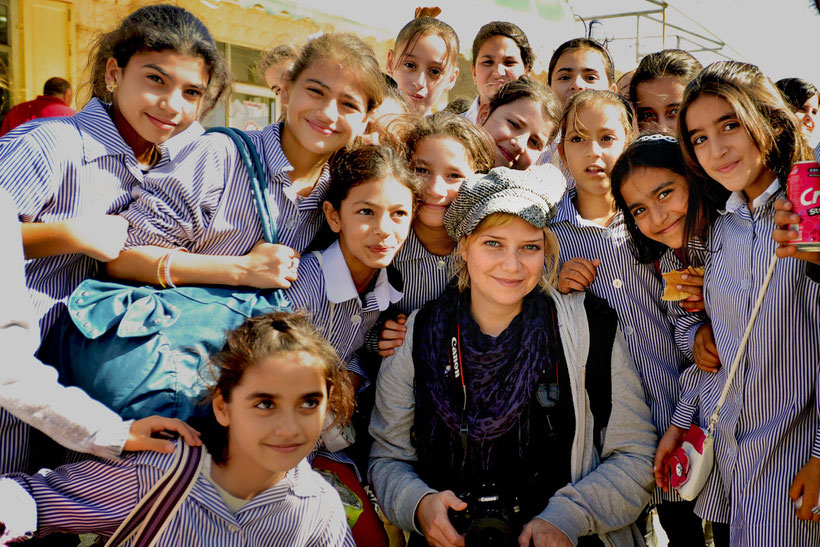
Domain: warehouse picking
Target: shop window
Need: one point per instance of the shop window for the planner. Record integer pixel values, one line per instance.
(252, 104)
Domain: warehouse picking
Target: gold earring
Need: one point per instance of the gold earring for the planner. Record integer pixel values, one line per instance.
(111, 86)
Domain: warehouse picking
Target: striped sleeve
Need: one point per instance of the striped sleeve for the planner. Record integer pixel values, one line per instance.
(28, 172)
(333, 531)
(685, 324)
(687, 405)
(175, 204)
(78, 498)
(815, 447)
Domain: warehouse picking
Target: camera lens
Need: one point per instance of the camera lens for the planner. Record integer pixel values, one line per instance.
(490, 532)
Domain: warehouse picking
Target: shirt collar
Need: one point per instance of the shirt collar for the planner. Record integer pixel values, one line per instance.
(296, 481)
(99, 134)
(737, 200)
(339, 283)
(173, 146)
(278, 163)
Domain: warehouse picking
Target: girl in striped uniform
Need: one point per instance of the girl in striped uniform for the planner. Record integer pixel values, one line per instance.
(738, 133)
(651, 189)
(369, 206)
(522, 118)
(151, 78)
(203, 203)
(444, 149)
(277, 379)
(424, 61)
(596, 255)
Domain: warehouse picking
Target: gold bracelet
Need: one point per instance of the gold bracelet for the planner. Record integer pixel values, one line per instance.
(160, 270)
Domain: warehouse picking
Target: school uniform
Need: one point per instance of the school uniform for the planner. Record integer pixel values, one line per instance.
(92, 496)
(768, 427)
(634, 291)
(61, 168)
(203, 201)
(325, 287)
(424, 274)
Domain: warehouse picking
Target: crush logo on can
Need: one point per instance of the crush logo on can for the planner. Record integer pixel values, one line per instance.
(804, 193)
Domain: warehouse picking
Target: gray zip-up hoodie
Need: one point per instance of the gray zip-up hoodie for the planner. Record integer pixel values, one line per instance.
(607, 492)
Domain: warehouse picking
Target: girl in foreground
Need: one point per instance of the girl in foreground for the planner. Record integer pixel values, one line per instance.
(151, 78)
(532, 382)
(596, 256)
(277, 379)
(737, 132)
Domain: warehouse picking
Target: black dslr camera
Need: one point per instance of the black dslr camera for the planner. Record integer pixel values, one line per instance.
(492, 517)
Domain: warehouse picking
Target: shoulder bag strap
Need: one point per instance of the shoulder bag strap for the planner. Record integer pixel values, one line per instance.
(256, 175)
(742, 348)
(153, 513)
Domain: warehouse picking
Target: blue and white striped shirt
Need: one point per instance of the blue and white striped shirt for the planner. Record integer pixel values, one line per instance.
(61, 168)
(300, 510)
(325, 288)
(769, 426)
(634, 290)
(203, 201)
(424, 274)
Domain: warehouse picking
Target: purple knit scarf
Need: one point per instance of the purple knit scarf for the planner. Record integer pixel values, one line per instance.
(500, 373)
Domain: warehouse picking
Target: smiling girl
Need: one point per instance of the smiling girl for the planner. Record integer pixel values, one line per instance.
(522, 118)
(596, 256)
(369, 206)
(151, 78)
(501, 54)
(276, 380)
(203, 202)
(737, 132)
(424, 62)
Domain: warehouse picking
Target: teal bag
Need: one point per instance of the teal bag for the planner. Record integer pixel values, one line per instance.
(141, 350)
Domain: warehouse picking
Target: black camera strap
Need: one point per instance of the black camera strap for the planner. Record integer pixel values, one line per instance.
(456, 371)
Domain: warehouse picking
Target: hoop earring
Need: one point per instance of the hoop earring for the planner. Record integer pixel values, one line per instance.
(111, 86)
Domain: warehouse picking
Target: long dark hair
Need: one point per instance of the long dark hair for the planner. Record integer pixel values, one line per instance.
(161, 27)
(660, 151)
(759, 107)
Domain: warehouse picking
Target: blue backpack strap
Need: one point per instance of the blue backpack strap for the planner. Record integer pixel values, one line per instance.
(256, 175)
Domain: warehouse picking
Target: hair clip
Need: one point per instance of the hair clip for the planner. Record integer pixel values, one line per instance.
(657, 137)
(428, 12)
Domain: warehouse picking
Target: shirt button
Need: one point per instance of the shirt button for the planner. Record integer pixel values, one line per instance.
(746, 283)
(356, 320)
(441, 264)
(628, 331)
(607, 234)
(617, 283)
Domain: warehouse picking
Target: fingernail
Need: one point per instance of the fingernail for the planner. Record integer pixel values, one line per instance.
(679, 287)
(685, 276)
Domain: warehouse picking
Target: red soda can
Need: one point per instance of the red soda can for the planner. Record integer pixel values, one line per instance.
(804, 193)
